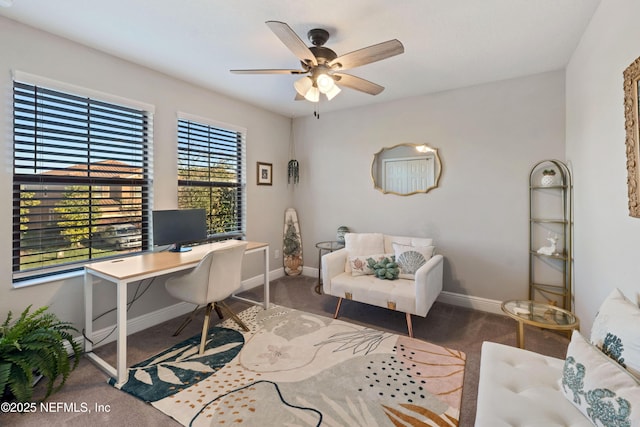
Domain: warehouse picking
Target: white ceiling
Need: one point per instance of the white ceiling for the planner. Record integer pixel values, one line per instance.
(448, 43)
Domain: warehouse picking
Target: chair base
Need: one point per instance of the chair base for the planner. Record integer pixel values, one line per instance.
(408, 316)
(191, 316)
(219, 307)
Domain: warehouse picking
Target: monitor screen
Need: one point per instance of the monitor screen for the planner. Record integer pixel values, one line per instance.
(178, 227)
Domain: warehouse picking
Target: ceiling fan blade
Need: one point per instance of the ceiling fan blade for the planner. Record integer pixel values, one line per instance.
(368, 55)
(298, 97)
(268, 71)
(292, 41)
(357, 83)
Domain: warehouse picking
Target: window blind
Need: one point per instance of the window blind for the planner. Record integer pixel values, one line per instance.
(81, 180)
(211, 175)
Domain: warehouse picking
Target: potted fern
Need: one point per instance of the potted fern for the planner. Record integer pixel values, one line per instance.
(35, 345)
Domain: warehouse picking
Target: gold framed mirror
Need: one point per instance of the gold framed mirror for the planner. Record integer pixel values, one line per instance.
(631, 78)
(406, 169)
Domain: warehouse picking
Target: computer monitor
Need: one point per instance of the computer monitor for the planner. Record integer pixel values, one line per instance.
(178, 227)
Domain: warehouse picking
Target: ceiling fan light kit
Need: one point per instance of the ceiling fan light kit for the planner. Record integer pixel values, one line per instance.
(307, 88)
(322, 64)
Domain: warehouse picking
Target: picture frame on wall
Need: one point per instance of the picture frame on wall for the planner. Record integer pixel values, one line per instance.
(264, 173)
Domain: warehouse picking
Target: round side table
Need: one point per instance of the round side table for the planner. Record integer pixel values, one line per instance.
(540, 315)
(325, 247)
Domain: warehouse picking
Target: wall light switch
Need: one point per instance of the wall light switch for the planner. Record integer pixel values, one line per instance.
(276, 253)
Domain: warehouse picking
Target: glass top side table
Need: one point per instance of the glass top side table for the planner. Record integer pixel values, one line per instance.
(325, 247)
(540, 315)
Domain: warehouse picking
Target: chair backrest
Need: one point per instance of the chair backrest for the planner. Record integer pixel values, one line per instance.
(216, 277)
(225, 271)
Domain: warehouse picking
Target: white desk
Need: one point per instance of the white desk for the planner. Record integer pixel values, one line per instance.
(123, 271)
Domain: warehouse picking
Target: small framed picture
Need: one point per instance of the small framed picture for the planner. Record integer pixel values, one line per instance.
(264, 173)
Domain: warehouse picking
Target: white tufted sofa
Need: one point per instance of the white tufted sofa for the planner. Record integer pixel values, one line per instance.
(411, 296)
(520, 388)
(598, 383)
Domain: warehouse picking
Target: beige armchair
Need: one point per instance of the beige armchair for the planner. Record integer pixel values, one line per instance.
(412, 293)
(215, 278)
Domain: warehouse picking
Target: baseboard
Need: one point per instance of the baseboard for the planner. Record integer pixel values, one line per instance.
(259, 279)
(310, 271)
(140, 323)
(468, 301)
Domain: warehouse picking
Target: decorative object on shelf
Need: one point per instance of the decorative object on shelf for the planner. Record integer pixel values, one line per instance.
(34, 345)
(342, 230)
(292, 244)
(552, 248)
(265, 173)
(293, 167)
(548, 177)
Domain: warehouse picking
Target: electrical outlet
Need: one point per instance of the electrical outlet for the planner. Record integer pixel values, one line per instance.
(276, 254)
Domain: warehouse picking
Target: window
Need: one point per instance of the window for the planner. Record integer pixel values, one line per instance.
(211, 174)
(81, 180)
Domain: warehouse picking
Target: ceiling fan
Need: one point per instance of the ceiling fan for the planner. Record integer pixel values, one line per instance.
(323, 66)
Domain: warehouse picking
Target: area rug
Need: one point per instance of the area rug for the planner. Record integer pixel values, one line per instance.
(299, 369)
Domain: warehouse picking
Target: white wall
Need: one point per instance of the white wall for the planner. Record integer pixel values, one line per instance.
(488, 137)
(607, 244)
(35, 52)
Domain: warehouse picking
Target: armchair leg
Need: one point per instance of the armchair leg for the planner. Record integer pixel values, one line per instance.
(224, 307)
(205, 328)
(335, 316)
(409, 325)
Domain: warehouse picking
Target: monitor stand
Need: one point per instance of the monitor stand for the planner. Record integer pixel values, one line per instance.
(180, 248)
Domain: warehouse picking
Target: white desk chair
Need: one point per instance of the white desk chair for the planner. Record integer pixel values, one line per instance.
(214, 279)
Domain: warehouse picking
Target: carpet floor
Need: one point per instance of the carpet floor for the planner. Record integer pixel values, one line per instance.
(87, 398)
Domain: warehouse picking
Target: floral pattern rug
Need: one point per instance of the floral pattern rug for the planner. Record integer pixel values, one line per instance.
(299, 369)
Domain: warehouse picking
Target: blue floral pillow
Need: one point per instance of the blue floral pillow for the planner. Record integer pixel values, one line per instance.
(616, 331)
(599, 387)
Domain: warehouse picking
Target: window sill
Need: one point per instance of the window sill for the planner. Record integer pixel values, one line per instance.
(48, 279)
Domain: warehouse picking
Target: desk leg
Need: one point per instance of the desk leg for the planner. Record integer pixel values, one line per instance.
(121, 361)
(520, 335)
(265, 303)
(88, 312)
(266, 278)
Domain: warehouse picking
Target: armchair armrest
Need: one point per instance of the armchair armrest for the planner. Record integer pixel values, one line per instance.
(333, 264)
(428, 283)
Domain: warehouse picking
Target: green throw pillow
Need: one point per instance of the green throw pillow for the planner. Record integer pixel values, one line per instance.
(386, 268)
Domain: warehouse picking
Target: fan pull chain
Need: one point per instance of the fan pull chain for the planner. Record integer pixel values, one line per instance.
(316, 111)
